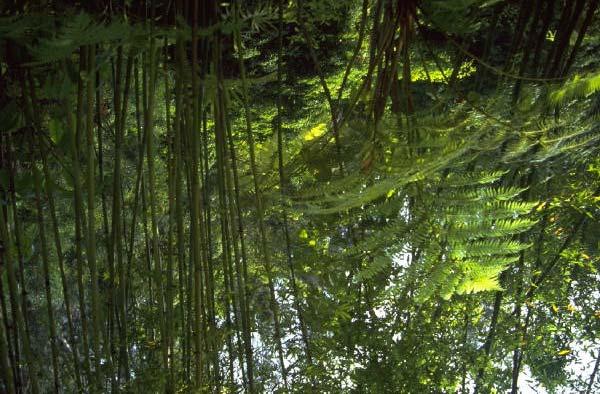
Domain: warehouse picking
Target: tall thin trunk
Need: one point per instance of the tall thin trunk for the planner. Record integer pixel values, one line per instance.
(151, 67)
(76, 131)
(90, 53)
(46, 269)
(21, 285)
(221, 147)
(108, 327)
(8, 264)
(264, 250)
(63, 276)
(177, 154)
(200, 292)
(283, 186)
(5, 368)
(171, 201)
(117, 233)
(592, 379)
(236, 279)
(241, 268)
(33, 118)
(33, 104)
(6, 351)
(489, 341)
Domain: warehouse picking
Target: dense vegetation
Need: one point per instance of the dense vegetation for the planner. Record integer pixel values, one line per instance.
(322, 196)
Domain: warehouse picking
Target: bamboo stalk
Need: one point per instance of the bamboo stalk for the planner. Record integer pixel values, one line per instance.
(76, 130)
(5, 367)
(260, 211)
(171, 203)
(7, 363)
(90, 53)
(46, 269)
(151, 67)
(12, 289)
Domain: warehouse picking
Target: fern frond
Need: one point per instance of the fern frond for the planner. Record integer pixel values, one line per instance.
(79, 30)
(498, 209)
(487, 248)
(470, 179)
(373, 268)
(489, 228)
(479, 283)
(578, 87)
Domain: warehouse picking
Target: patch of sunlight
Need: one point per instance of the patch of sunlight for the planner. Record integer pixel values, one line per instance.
(420, 73)
(480, 283)
(315, 132)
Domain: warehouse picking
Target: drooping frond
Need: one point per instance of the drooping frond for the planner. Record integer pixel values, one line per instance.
(577, 87)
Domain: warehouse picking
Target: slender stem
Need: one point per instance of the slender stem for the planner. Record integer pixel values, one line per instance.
(260, 210)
